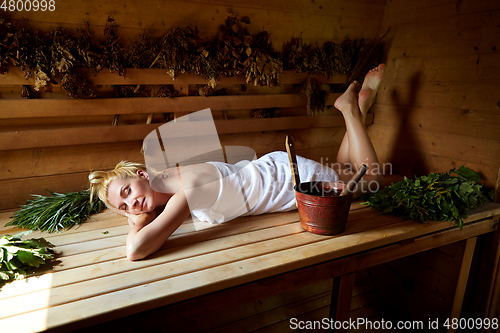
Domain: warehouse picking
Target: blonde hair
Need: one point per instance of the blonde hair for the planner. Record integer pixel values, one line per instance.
(100, 180)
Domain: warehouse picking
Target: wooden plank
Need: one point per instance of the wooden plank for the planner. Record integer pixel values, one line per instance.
(454, 146)
(436, 261)
(73, 267)
(208, 304)
(156, 76)
(467, 122)
(437, 11)
(447, 32)
(108, 134)
(12, 197)
(99, 283)
(463, 276)
(282, 24)
(37, 162)
(32, 169)
(124, 14)
(245, 315)
(144, 105)
(401, 292)
(446, 70)
(420, 275)
(411, 162)
(239, 295)
(340, 305)
(442, 94)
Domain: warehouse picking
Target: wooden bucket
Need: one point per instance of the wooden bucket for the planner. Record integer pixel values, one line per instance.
(321, 208)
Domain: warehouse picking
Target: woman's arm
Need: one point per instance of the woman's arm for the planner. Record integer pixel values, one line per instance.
(146, 236)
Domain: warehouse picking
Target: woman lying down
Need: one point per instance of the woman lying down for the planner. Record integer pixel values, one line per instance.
(209, 191)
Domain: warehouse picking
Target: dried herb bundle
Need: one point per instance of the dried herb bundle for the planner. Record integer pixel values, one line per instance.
(89, 51)
(295, 56)
(77, 87)
(19, 257)
(167, 90)
(33, 56)
(177, 50)
(57, 212)
(263, 66)
(207, 90)
(64, 51)
(330, 59)
(6, 45)
(112, 51)
(143, 52)
(266, 113)
(316, 97)
(51, 58)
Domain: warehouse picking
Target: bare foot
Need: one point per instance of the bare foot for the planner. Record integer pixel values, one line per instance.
(348, 101)
(370, 87)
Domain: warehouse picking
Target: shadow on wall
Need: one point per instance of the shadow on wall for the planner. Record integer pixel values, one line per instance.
(407, 155)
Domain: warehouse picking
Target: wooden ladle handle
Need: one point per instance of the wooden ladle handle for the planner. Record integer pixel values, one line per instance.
(354, 180)
(290, 148)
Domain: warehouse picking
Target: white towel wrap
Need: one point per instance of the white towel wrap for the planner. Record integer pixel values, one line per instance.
(261, 186)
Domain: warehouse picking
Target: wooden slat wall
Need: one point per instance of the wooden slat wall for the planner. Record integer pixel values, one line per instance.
(53, 142)
(438, 108)
(439, 102)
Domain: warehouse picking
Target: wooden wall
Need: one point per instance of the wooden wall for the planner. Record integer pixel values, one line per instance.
(439, 106)
(32, 162)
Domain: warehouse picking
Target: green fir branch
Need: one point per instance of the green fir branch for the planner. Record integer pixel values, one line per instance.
(57, 212)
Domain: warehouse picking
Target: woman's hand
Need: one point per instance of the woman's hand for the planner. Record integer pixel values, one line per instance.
(140, 220)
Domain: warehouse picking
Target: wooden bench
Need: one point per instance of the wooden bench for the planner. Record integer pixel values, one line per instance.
(216, 268)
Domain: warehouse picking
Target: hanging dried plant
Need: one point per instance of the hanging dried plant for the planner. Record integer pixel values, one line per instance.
(89, 50)
(263, 66)
(293, 55)
(168, 91)
(127, 91)
(206, 64)
(143, 52)
(177, 50)
(233, 43)
(33, 56)
(316, 97)
(234, 51)
(339, 57)
(266, 113)
(368, 55)
(77, 87)
(6, 45)
(111, 50)
(207, 90)
(64, 51)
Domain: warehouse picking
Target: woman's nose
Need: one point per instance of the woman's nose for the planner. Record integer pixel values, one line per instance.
(132, 203)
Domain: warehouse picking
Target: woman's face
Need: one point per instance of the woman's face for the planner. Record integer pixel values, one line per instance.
(132, 195)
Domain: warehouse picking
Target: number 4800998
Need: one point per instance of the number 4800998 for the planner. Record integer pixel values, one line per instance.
(28, 5)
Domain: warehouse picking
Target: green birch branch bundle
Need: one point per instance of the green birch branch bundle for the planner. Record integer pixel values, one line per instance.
(446, 196)
(19, 257)
(57, 212)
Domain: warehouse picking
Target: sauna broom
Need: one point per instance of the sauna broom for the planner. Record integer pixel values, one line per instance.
(56, 212)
